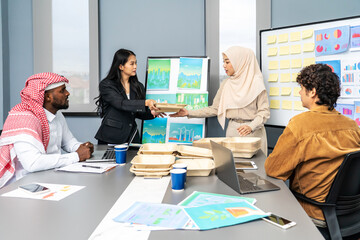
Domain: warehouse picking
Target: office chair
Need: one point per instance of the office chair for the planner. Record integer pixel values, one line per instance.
(342, 205)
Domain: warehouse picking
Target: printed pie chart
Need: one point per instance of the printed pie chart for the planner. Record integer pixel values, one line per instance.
(319, 48)
(337, 47)
(348, 91)
(337, 33)
(326, 36)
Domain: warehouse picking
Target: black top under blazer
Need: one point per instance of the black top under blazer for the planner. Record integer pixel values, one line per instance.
(119, 113)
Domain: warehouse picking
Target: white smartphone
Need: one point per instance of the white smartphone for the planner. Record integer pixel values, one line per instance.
(34, 188)
(245, 165)
(279, 221)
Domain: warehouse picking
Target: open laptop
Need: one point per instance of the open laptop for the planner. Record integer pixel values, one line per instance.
(239, 181)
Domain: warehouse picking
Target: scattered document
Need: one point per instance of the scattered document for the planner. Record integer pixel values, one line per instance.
(197, 199)
(57, 192)
(226, 214)
(88, 167)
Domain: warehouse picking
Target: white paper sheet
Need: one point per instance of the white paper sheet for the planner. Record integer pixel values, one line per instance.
(88, 167)
(140, 189)
(57, 192)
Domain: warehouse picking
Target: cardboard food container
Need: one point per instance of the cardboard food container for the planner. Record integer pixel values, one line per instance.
(205, 142)
(158, 148)
(140, 169)
(185, 150)
(198, 166)
(244, 147)
(149, 174)
(169, 107)
(153, 161)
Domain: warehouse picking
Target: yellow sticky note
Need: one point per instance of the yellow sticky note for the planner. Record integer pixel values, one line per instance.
(295, 36)
(275, 104)
(308, 61)
(284, 50)
(296, 63)
(273, 65)
(309, 47)
(286, 104)
(307, 33)
(274, 91)
(285, 77)
(271, 39)
(284, 64)
(272, 52)
(298, 106)
(273, 77)
(285, 91)
(296, 91)
(295, 49)
(293, 77)
(283, 38)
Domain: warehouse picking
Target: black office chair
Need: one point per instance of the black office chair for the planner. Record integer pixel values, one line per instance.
(342, 205)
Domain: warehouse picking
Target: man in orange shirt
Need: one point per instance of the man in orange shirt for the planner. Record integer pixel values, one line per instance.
(314, 143)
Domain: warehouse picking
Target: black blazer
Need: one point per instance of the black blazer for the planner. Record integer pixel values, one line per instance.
(119, 113)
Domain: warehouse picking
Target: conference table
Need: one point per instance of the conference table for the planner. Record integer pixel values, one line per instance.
(78, 215)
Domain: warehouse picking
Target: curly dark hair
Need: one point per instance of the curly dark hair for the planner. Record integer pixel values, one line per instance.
(326, 83)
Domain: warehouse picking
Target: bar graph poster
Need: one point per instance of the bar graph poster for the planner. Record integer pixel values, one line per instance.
(154, 131)
(185, 132)
(194, 101)
(357, 112)
(355, 36)
(162, 98)
(346, 110)
(158, 74)
(332, 40)
(190, 73)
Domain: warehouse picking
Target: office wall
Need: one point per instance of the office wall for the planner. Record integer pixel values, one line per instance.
(293, 12)
(149, 28)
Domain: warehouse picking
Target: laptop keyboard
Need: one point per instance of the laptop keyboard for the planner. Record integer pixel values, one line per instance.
(246, 184)
(109, 154)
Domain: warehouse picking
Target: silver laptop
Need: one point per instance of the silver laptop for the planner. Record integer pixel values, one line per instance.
(239, 181)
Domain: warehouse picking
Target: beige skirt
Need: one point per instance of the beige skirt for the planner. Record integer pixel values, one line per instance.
(260, 132)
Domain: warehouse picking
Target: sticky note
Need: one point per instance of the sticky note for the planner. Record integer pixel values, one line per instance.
(296, 91)
(273, 77)
(308, 61)
(296, 63)
(273, 65)
(272, 52)
(285, 91)
(293, 77)
(284, 64)
(283, 38)
(295, 36)
(284, 50)
(307, 33)
(271, 39)
(298, 106)
(286, 104)
(285, 77)
(295, 49)
(274, 91)
(275, 104)
(309, 47)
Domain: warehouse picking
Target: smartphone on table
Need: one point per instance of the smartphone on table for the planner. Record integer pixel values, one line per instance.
(34, 188)
(279, 221)
(245, 165)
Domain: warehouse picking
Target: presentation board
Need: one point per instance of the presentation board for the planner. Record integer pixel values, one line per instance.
(176, 80)
(285, 51)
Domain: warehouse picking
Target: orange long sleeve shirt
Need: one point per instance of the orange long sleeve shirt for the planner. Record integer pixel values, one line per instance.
(310, 151)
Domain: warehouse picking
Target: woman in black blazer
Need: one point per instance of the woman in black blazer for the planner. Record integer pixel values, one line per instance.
(121, 100)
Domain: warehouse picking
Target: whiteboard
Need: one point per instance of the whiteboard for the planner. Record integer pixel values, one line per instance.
(285, 51)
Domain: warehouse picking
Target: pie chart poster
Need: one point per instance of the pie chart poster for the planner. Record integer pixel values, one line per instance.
(332, 40)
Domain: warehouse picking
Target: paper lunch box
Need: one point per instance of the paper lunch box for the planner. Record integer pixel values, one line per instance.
(244, 147)
(158, 148)
(185, 150)
(153, 161)
(198, 166)
(205, 142)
